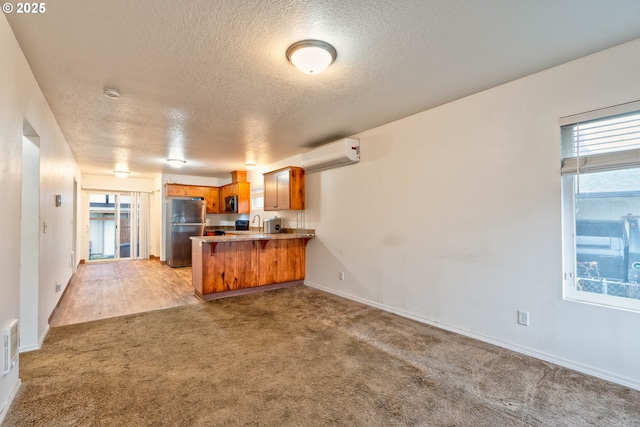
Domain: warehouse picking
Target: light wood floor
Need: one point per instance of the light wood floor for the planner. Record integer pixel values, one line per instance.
(110, 289)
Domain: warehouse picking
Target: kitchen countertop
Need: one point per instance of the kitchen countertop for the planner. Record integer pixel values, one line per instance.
(235, 236)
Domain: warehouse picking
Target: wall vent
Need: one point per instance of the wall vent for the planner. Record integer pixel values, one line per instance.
(10, 346)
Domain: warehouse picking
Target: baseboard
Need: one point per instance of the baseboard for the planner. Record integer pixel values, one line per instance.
(27, 349)
(43, 336)
(55, 309)
(246, 291)
(7, 403)
(565, 363)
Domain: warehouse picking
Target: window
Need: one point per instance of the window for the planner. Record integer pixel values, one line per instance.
(257, 198)
(601, 206)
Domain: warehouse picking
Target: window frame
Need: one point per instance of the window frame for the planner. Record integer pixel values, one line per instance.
(570, 172)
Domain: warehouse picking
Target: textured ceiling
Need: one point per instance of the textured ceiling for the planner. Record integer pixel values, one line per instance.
(208, 81)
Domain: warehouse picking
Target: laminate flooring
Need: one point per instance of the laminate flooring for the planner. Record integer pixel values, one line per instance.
(110, 289)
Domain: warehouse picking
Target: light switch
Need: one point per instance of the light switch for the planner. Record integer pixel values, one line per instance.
(44, 226)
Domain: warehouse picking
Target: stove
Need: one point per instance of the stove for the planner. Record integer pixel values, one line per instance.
(242, 224)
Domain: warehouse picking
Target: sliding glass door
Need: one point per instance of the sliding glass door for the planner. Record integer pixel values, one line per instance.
(102, 226)
(124, 236)
(109, 226)
(118, 226)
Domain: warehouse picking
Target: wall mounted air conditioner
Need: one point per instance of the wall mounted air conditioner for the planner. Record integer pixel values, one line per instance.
(343, 152)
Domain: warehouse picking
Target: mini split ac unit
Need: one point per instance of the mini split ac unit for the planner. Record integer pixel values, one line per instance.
(343, 152)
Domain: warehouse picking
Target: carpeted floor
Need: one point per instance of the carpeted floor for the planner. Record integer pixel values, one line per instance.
(297, 357)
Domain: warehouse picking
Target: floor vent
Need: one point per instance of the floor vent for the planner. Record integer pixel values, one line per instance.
(10, 346)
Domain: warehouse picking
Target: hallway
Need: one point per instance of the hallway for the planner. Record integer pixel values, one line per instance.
(110, 289)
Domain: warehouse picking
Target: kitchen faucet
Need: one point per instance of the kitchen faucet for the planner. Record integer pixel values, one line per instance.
(254, 220)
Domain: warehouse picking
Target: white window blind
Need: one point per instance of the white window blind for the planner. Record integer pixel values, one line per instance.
(595, 145)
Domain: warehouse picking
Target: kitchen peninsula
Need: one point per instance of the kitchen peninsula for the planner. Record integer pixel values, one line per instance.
(239, 261)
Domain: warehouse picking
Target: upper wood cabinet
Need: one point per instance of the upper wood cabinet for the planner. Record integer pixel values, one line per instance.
(181, 190)
(284, 189)
(197, 191)
(240, 189)
(212, 199)
(227, 190)
(172, 190)
(244, 197)
(214, 196)
(209, 194)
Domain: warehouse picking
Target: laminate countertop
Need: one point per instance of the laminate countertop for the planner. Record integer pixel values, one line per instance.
(238, 236)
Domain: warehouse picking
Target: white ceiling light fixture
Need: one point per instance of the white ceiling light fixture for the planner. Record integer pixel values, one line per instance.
(176, 163)
(250, 165)
(121, 173)
(311, 56)
(110, 92)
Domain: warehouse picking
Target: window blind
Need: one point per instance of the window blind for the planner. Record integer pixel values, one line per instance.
(602, 144)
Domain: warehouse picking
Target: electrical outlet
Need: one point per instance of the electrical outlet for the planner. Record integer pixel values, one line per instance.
(523, 318)
(58, 287)
(341, 275)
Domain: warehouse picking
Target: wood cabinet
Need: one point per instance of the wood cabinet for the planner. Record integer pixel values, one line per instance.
(197, 191)
(281, 261)
(233, 266)
(181, 190)
(212, 200)
(240, 189)
(284, 189)
(227, 190)
(214, 196)
(221, 266)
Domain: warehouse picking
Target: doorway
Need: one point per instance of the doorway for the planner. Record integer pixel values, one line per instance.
(30, 240)
(109, 226)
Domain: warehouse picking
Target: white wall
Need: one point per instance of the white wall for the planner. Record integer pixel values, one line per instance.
(453, 218)
(20, 99)
(115, 184)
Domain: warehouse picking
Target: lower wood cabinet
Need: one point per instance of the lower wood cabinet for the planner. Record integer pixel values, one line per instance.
(281, 261)
(228, 266)
(234, 265)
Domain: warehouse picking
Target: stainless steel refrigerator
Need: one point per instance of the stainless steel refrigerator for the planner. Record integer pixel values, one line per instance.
(185, 218)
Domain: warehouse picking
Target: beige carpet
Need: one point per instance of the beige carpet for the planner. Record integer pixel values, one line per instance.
(297, 357)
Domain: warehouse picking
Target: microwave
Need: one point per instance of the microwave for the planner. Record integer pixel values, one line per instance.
(231, 204)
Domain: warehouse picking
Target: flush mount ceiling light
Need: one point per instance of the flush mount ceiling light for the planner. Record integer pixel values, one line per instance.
(250, 165)
(176, 163)
(121, 174)
(311, 56)
(110, 92)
